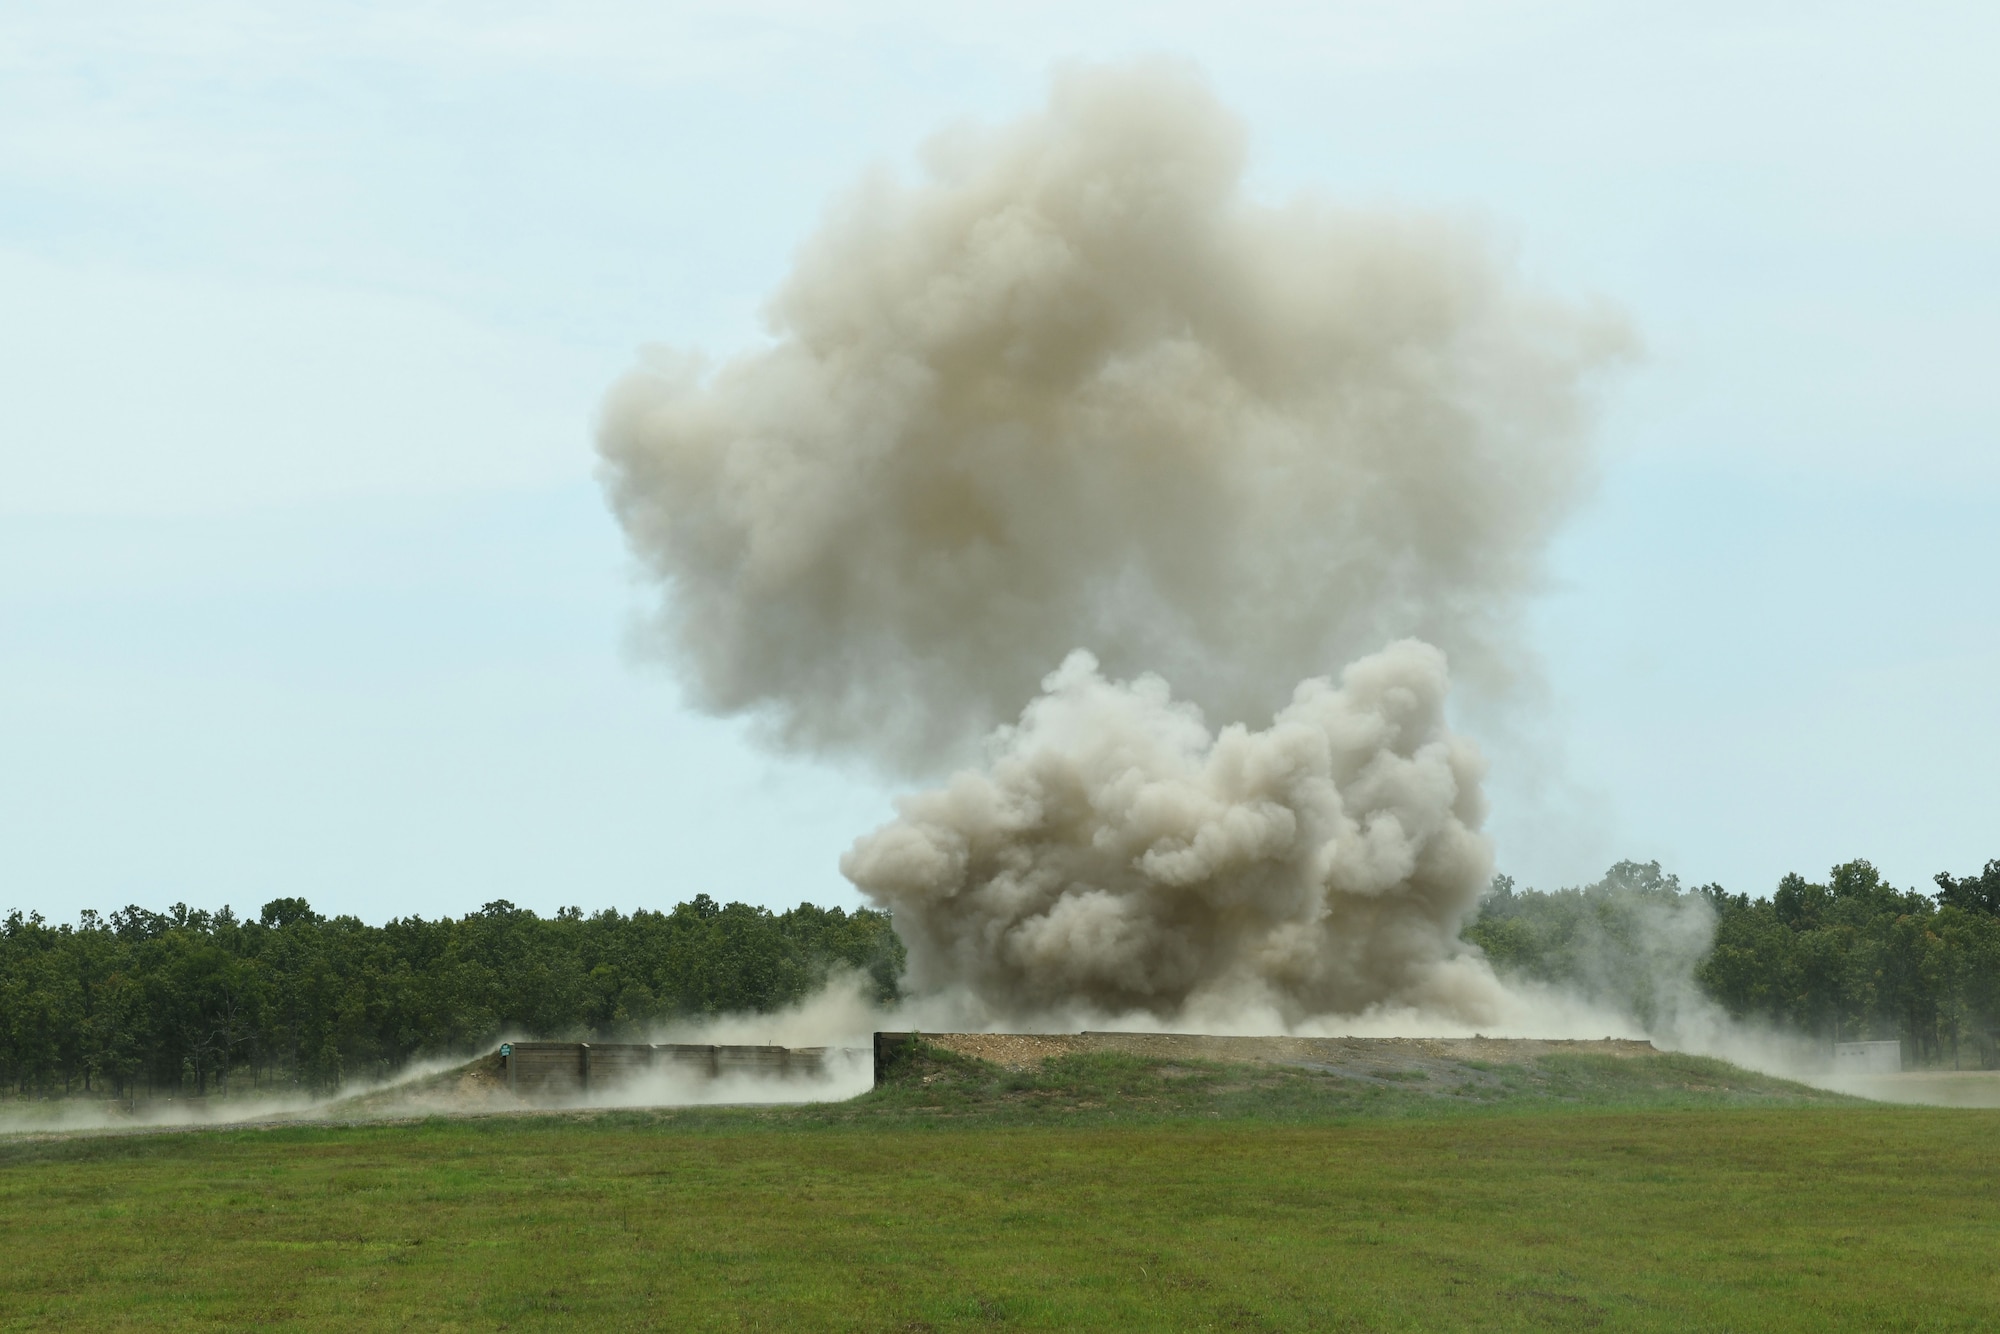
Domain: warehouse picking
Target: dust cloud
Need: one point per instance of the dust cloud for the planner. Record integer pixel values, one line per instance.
(1077, 388)
(1077, 400)
(1118, 854)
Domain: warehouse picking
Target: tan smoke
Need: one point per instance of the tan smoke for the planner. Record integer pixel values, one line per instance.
(1117, 856)
(1077, 389)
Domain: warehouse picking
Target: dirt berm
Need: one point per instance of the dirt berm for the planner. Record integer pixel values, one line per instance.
(1363, 1057)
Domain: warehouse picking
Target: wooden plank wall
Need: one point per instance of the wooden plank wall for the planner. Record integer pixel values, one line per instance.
(572, 1069)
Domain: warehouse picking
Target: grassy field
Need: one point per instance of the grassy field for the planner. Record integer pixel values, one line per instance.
(1097, 1194)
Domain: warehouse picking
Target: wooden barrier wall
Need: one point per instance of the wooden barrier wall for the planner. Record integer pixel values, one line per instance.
(574, 1069)
(889, 1047)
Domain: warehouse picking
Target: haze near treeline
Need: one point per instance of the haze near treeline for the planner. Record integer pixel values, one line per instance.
(288, 999)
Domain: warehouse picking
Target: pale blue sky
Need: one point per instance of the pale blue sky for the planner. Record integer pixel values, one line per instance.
(306, 587)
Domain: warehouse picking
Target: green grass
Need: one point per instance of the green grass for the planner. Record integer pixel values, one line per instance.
(1101, 1193)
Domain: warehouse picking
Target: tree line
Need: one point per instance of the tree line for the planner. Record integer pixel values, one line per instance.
(195, 1002)
(1848, 959)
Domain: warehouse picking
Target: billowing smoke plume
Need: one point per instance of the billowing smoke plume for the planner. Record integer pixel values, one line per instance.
(1077, 390)
(1117, 856)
